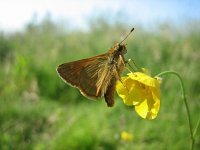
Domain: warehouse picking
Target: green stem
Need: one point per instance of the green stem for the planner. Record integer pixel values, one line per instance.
(185, 102)
(196, 128)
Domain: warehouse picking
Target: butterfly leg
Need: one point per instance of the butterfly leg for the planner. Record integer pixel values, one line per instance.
(131, 60)
(124, 62)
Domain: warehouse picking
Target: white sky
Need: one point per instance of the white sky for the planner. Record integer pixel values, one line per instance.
(14, 14)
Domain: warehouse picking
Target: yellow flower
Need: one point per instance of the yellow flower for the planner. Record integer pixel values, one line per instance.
(142, 91)
(125, 136)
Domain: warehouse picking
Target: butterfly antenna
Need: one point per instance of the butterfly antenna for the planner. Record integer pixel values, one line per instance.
(127, 36)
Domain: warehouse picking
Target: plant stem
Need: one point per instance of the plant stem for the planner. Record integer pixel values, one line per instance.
(185, 102)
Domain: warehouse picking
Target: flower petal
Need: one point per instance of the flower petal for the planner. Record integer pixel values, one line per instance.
(156, 97)
(144, 79)
(130, 91)
(126, 136)
(136, 93)
(120, 88)
(149, 108)
(142, 109)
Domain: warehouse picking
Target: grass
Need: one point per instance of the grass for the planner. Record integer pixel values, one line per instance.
(38, 111)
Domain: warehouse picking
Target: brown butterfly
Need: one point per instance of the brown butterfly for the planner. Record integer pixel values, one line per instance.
(96, 76)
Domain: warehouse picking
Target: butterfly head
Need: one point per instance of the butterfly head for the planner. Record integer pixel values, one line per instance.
(122, 48)
(119, 49)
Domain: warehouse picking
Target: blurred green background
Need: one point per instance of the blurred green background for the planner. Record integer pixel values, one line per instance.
(39, 111)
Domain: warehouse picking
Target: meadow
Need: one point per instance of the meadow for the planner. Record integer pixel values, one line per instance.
(39, 111)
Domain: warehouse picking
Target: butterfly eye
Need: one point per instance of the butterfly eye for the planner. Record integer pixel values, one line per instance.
(122, 49)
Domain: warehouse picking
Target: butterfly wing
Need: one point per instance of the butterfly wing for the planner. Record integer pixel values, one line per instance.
(110, 92)
(88, 75)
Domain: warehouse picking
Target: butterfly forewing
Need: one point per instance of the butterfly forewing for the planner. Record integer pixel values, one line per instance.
(87, 74)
